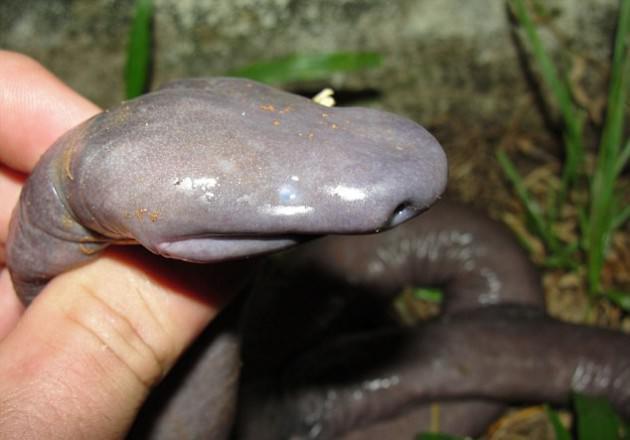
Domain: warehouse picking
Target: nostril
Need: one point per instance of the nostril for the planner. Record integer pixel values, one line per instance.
(403, 212)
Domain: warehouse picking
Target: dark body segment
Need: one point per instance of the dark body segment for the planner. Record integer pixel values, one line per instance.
(475, 260)
(343, 368)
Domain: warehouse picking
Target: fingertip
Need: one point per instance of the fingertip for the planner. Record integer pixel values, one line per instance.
(10, 185)
(36, 108)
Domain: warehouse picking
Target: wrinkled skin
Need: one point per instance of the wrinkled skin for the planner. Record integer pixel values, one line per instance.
(257, 170)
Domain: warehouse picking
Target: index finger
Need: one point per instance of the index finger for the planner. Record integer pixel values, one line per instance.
(35, 109)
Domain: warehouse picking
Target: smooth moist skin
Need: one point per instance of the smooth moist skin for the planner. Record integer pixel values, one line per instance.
(324, 360)
(206, 170)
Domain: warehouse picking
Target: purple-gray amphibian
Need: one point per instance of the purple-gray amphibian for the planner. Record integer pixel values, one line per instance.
(348, 371)
(206, 170)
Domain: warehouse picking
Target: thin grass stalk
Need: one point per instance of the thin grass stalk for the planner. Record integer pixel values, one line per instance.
(139, 50)
(574, 150)
(601, 215)
(534, 213)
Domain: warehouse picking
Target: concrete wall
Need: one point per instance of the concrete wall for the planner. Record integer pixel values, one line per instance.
(443, 58)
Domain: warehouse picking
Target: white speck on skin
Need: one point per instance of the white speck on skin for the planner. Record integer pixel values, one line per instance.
(315, 431)
(494, 286)
(347, 193)
(198, 184)
(590, 373)
(381, 384)
(191, 183)
(286, 210)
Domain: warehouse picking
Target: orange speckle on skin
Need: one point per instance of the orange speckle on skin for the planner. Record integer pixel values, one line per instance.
(141, 212)
(267, 107)
(276, 122)
(334, 125)
(67, 157)
(86, 243)
(85, 250)
(153, 216)
(287, 109)
(67, 222)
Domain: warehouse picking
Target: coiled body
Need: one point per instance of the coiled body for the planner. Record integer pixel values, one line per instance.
(322, 357)
(212, 169)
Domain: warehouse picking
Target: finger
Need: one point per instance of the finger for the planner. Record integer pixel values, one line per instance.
(35, 109)
(97, 339)
(10, 184)
(10, 305)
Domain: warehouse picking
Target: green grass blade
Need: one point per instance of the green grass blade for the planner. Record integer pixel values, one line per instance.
(308, 67)
(622, 160)
(583, 222)
(613, 126)
(621, 217)
(596, 419)
(600, 228)
(139, 50)
(564, 258)
(433, 295)
(561, 93)
(558, 428)
(622, 299)
(601, 223)
(534, 213)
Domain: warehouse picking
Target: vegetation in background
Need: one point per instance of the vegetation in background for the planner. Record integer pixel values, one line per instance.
(601, 211)
(308, 67)
(430, 294)
(592, 191)
(595, 420)
(559, 430)
(137, 69)
(293, 68)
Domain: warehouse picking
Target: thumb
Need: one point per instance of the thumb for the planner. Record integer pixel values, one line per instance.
(86, 353)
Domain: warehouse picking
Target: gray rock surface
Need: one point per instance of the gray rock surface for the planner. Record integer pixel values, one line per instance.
(442, 58)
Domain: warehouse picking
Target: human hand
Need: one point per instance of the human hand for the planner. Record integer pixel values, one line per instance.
(79, 362)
